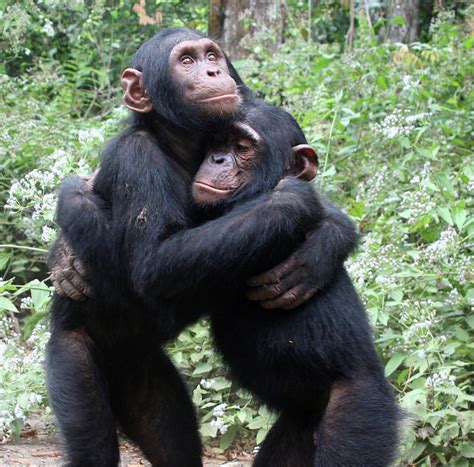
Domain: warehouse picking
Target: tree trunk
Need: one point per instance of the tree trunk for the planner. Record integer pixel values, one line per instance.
(409, 11)
(232, 21)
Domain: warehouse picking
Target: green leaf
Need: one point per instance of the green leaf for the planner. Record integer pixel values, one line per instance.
(382, 82)
(417, 450)
(259, 422)
(242, 416)
(208, 430)
(261, 435)
(467, 451)
(228, 437)
(220, 384)
(40, 294)
(397, 294)
(460, 218)
(202, 368)
(394, 363)
(6, 304)
(400, 20)
(445, 213)
(4, 258)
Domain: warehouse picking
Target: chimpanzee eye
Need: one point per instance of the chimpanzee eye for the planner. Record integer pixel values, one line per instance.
(242, 148)
(211, 56)
(186, 60)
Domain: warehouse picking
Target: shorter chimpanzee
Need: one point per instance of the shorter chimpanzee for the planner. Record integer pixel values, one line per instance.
(316, 365)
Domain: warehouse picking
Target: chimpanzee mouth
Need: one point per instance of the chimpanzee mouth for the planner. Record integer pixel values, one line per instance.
(223, 97)
(212, 188)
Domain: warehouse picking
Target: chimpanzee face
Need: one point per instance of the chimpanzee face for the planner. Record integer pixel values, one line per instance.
(228, 165)
(199, 69)
(231, 161)
(184, 78)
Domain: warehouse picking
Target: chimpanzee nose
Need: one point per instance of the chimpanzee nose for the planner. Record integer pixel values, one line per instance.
(213, 71)
(218, 159)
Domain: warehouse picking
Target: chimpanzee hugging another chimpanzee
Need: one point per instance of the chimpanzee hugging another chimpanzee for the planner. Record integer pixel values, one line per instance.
(156, 266)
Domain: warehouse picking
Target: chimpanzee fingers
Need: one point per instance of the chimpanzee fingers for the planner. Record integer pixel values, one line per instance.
(58, 289)
(275, 290)
(89, 291)
(275, 274)
(79, 267)
(290, 299)
(79, 283)
(76, 281)
(301, 299)
(70, 291)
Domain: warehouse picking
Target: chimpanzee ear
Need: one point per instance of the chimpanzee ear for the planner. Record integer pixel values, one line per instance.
(306, 162)
(134, 94)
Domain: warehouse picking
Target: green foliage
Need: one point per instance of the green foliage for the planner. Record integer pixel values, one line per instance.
(394, 129)
(21, 373)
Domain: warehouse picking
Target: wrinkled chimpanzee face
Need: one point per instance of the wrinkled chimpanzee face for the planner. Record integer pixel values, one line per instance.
(200, 70)
(228, 165)
(231, 162)
(186, 81)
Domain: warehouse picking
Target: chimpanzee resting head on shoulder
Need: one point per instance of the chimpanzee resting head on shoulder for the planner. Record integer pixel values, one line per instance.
(183, 77)
(262, 146)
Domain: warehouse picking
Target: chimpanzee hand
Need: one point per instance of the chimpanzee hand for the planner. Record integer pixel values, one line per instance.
(68, 274)
(287, 286)
(311, 267)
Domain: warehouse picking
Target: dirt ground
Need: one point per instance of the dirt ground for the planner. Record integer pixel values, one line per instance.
(39, 446)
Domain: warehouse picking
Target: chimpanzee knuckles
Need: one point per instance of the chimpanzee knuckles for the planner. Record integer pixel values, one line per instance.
(134, 94)
(306, 160)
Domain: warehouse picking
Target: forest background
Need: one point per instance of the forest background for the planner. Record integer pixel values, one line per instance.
(383, 90)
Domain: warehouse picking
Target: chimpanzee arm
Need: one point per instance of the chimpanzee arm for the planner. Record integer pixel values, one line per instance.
(232, 246)
(84, 219)
(311, 267)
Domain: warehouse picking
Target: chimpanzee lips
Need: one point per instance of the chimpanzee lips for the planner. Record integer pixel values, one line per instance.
(223, 97)
(211, 188)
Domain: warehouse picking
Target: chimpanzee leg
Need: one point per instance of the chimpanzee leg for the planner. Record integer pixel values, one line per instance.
(155, 410)
(79, 397)
(290, 442)
(360, 425)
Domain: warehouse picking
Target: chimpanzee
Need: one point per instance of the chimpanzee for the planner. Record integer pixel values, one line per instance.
(105, 364)
(100, 349)
(317, 365)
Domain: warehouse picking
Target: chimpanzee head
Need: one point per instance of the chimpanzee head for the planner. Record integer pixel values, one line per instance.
(262, 147)
(184, 77)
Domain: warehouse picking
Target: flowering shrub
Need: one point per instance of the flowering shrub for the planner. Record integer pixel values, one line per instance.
(393, 126)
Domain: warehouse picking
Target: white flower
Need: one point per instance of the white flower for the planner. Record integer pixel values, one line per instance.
(48, 28)
(220, 425)
(441, 378)
(207, 383)
(48, 234)
(87, 136)
(219, 410)
(18, 412)
(26, 303)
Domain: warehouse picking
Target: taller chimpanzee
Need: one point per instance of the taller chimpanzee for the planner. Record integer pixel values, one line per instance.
(104, 361)
(99, 349)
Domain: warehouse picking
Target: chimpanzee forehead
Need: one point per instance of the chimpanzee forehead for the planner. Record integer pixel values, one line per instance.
(198, 45)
